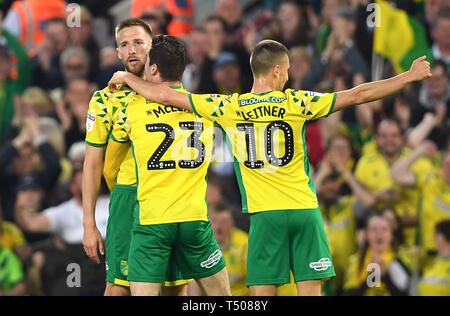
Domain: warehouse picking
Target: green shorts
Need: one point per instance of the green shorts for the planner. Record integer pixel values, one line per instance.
(118, 238)
(118, 233)
(284, 241)
(191, 246)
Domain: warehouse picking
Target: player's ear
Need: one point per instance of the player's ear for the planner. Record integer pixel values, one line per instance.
(118, 53)
(153, 69)
(276, 70)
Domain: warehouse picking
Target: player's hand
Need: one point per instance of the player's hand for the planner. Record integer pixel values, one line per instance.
(92, 240)
(117, 78)
(420, 69)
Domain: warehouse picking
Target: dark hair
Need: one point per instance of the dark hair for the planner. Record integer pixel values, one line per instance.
(391, 120)
(170, 55)
(442, 14)
(443, 228)
(221, 207)
(133, 22)
(440, 63)
(216, 18)
(267, 54)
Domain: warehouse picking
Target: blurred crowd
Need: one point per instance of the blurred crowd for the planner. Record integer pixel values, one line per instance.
(381, 170)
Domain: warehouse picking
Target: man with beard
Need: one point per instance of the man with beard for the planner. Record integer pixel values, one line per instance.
(374, 172)
(134, 40)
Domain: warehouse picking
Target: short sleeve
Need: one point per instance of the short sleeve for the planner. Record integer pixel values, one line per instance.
(55, 218)
(98, 121)
(312, 105)
(212, 107)
(121, 130)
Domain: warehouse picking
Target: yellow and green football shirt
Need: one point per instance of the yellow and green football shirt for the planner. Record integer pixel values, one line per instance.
(340, 227)
(172, 150)
(436, 278)
(104, 107)
(266, 134)
(236, 258)
(434, 207)
(374, 172)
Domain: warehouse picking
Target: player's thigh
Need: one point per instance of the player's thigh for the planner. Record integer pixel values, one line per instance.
(116, 290)
(308, 246)
(197, 252)
(268, 249)
(150, 250)
(145, 288)
(217, 284)
(118, 238)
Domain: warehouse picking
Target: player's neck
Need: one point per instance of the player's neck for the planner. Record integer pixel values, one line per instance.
(172, 84)
(263, 85)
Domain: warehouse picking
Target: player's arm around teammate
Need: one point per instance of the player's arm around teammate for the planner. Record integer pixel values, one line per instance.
(365, 93)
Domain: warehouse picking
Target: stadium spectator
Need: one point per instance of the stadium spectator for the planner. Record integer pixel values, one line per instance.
(73, 110)
(373, 170)
(15, 75)
(27, 155)
(181, 13)
(82, 36)
(439, 31)
(434, 97)
(301, 61)
(342, 213)
(379, 255)
(435, 280)
(197, 48)
(289, 26)
(46, 64)
(435, 188)
(340, 57)
(227, 75)
(26, 19)
(231, 12)
(64, 221)
(13, 239)
(75, 64)
(215, 28)
(12, 281)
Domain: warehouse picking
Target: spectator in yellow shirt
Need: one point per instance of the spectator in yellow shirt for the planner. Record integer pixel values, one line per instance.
(378, 269)
(436, 277)
(374, 172)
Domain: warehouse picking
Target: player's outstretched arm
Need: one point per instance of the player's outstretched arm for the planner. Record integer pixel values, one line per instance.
(115, 154)
(158, 93)
(368, 92)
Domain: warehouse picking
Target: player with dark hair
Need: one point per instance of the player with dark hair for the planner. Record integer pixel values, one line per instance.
(265, 129)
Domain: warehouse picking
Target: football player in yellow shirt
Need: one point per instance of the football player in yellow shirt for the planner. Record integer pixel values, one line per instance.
(265, 130)
(172, 150)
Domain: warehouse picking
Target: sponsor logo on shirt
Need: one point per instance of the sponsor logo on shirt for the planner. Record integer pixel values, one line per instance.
(212, 260)
(90, 122)
(321, 265)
